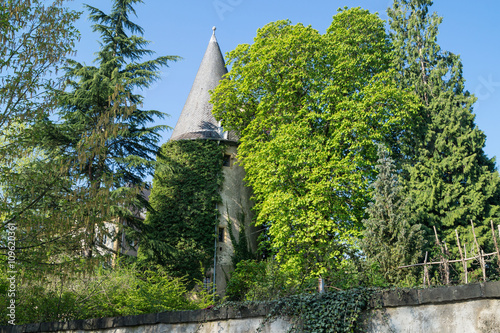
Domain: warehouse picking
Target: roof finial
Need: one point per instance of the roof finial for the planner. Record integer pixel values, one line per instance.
(214, 28)
(196, 120)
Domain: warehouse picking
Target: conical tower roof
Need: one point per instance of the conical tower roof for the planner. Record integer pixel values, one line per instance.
(196, 120)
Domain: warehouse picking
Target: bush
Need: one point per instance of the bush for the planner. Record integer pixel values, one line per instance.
(108, 293)
(254, 280)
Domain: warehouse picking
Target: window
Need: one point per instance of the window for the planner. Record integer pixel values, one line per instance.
(227, 160)
(221, 234)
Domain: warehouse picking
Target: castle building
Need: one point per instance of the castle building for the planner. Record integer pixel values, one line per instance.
(197, 122)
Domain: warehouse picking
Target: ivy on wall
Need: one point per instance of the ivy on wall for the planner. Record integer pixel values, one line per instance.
(338, 311)
(184, 200)
(240, 244)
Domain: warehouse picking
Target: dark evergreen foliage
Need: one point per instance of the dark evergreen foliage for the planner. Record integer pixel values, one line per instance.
(102, 137)
(391, 239)
(101, 109)
(448, 174)
(184, 199)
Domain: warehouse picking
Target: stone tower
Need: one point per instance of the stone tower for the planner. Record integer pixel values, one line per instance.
(197, 122)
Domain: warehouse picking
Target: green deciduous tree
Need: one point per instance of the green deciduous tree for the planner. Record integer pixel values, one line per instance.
(184, 199)
(309, 109)
(390, 239)
(35, 38)
(449, 176)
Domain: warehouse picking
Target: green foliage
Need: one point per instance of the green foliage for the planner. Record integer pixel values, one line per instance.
(141, 292)
(107, 293)
(95, 155)
(36, 38)
(390, 238)
(292, 295)
(240, 245)
(354, 272)
(254, 280)
(448, 176)
(246, 275)
(309, 108)
(329, 312)
(101, 122)
(184, 198)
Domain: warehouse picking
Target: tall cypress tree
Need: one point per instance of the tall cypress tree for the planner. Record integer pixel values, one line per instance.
(103, 137)
(448, 175)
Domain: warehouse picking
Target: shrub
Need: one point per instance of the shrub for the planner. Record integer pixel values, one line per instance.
(254, 280)
(108, 293)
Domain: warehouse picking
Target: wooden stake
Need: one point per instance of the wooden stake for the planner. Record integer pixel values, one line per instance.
(498, 229)
(436, 234)
(496, 245)
(444, 266)
(474, 234)
(466, 273)
(479, 252)
(426, 273)
(464, 264)
(483, 266)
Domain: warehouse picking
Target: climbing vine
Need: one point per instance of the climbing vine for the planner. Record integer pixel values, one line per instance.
(240, 245)
(184, 198)
(337, 311)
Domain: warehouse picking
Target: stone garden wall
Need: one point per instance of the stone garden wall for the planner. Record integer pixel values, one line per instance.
(468, 308)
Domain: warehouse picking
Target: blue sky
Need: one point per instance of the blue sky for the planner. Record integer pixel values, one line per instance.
(184, 28)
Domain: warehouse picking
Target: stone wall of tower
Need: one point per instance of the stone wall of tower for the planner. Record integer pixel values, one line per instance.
(236, 213)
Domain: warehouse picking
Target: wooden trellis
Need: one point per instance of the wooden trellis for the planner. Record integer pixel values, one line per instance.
(476, 254)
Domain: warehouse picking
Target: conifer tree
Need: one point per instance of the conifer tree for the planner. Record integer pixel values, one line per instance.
(390, 238)
(448, 175)
(103, 140)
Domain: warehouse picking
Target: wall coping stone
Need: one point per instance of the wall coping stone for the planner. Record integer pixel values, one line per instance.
(445, 294)
(384, 298)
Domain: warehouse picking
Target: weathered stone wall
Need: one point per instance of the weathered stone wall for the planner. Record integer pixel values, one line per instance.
(467, 317)
(236, 209)
(241, 320)
(468, 309)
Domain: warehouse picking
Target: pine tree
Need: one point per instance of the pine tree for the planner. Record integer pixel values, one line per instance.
(102, 138)
(391, 238)
(448, 174)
